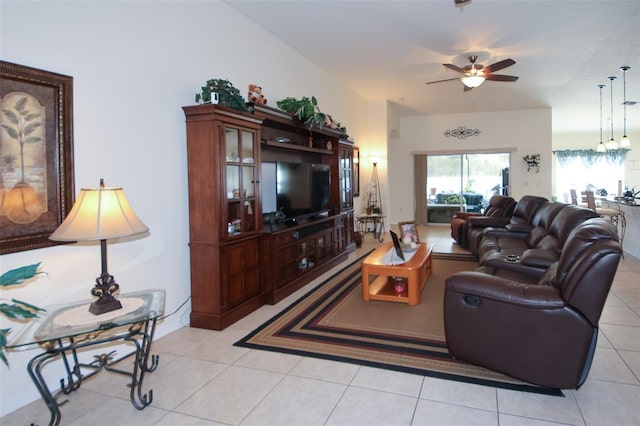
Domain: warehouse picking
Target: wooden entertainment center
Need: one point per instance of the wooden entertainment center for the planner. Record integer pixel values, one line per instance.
(238, 263)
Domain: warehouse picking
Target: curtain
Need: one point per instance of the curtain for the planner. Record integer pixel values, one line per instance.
(420, 185)
(590, 157)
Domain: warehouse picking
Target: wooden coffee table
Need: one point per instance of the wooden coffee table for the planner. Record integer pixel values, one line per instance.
(415, 271)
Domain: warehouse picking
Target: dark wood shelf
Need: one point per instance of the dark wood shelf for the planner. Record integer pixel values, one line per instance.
(291, 146)
(234, 273)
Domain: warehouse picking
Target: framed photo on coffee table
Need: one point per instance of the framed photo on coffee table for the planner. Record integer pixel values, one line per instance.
(409, 229)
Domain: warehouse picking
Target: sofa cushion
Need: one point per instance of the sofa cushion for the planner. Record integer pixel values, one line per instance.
(549, 243)
(549, 276)
(535, 236)
(567, 219)
(582, 237)
(546, 213)
(526, 208)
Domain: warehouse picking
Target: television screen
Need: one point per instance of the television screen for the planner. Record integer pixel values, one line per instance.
(303, 189)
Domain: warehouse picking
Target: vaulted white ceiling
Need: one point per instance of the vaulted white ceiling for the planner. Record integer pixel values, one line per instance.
(390, 49)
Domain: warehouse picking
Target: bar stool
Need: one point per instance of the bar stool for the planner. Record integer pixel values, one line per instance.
(616, 216)
(574, 197)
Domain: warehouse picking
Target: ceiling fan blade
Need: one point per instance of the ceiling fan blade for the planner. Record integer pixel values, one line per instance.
(455, 68)
(499, 66)
(441, 81)
(466, 88)
(500, 77)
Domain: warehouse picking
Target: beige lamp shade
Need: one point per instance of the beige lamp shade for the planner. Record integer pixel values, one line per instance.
(99, 214)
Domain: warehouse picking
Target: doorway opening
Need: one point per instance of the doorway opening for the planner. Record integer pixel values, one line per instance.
(459, 182)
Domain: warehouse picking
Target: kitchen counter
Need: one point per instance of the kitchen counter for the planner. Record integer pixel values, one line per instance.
(632, 215)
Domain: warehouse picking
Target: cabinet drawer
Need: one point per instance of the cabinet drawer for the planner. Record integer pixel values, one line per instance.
(286, 238)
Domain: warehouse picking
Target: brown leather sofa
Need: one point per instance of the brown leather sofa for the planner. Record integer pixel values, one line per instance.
(541, 331)
(519, 221)
(498, 213)
(532, 252)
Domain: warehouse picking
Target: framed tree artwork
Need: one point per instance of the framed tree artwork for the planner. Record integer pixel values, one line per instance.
(36, 155)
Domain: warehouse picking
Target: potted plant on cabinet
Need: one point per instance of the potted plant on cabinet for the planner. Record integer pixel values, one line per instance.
(307, 110)
(228, 95)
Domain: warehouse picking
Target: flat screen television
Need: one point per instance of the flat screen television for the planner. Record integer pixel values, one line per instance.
(303, 189)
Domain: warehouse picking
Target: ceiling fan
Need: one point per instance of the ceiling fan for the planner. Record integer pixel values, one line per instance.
(475, 74)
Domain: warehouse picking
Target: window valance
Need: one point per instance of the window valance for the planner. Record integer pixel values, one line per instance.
(589, 156)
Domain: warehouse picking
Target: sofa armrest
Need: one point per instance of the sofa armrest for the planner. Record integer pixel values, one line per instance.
(465, 215)
(504, 233)
(477, 286)
(489, 221)
(539, 258)
(519, 227)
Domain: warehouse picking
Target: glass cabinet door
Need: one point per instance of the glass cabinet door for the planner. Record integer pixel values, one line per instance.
(346, 178)
(241, 181)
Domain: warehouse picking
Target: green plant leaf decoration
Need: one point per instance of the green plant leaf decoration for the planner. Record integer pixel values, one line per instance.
(17, 309)
(3, 345)
(308, 111)
(19, 275)
(228, 94)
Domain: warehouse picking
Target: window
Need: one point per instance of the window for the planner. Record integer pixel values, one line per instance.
(451, 182)
(588, 170)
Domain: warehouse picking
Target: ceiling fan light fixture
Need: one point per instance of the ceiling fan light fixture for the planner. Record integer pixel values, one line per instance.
(472, 81)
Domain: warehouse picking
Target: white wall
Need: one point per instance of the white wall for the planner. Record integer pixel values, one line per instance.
(523, 131)
(134, 65)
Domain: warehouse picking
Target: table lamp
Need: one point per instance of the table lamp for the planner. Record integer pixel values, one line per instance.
(99, 214)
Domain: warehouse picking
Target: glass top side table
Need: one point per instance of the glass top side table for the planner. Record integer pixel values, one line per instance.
(63, 330)
(377, 220)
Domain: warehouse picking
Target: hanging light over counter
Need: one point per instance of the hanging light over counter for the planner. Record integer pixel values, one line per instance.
(612, 144)
(624, 142)
(601, 147)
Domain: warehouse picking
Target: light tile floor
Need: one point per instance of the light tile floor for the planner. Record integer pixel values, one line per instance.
(204, 380)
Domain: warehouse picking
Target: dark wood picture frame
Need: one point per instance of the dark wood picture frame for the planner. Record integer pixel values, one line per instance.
(36, 155)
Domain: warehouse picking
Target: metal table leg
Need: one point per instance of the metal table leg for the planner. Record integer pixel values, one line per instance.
(139, 334)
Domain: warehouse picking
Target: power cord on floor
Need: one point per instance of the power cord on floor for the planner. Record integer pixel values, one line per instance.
(176, 310)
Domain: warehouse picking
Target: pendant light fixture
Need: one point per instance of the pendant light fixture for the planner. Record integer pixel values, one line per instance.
(601, 147)
(612, 144)
(624, 142)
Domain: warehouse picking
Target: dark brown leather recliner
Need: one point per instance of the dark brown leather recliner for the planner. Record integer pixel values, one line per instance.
(498, 213)
(519, 223)
(543, 333)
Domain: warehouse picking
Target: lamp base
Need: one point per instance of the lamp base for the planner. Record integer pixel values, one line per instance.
(100, 307)
(105, 289)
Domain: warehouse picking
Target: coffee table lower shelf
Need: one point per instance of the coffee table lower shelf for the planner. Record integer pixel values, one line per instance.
(383, 288)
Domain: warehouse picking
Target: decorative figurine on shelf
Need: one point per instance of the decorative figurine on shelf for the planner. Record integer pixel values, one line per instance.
(255, 95)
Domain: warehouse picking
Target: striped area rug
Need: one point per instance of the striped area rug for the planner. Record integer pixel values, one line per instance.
(333, 322)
